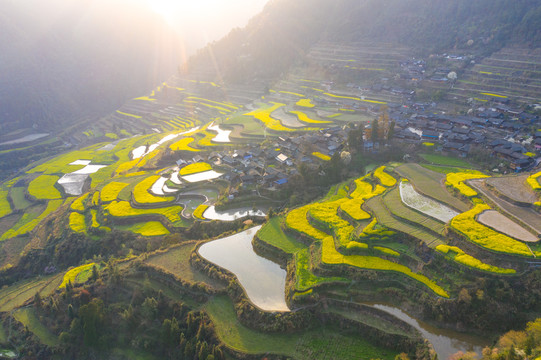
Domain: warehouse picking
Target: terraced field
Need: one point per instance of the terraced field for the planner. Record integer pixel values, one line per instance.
(431, 184)
(520, 214)
(396, 207)
(514, 187)
(18, 294)
(177, 261)
(385, 217)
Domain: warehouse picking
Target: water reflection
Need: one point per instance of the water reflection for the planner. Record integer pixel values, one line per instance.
(262, 279)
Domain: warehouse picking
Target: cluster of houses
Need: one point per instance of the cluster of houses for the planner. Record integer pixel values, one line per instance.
(273, 165)
(492, 128)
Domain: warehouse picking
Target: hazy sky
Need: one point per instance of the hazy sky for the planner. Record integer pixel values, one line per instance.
(207, 19)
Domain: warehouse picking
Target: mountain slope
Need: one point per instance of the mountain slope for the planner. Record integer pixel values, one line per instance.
(285, 30)
(76, 59)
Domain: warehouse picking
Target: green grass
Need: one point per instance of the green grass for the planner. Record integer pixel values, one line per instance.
(445, 160)
(110, 191)
(385, 218)
(444, 169)
(430, 183)
(17, 294)
(305, 278)
(177, 261)
(29, 319)
(19, 200)
(60, 164)
(394, 204)
(319, 343)
(79, 203)
(42, 187)
(31, 219)
(272, 234)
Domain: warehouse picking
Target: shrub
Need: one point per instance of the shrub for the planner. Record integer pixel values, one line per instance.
(72, 274)
(110, 191)
(141, 195)
(124, 209)
(384, 178)
(305, 103)
(533, 181)
(195, 168)
(458, 255)
(5, 208)
(79, 203)
(183, 145)
(352, 207)
(456, 180)
(304, 118)
(149, 228)
(321, 156)
(466, 224)
(387, 251)
(77, 222)
(199, 211)
(42, 188)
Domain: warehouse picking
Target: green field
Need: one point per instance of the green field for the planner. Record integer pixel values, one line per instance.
(17, 294)
(445, 160)
(177, 261)
(29, 221)
(385, 218)
(18, 198)
(272, 234)
(320, 343)
(27, 317)
(394, 204)
(431, 184)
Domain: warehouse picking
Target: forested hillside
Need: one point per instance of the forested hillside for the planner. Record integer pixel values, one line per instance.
(284, 31)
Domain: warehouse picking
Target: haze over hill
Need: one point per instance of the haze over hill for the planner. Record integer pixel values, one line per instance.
(69, 60)
(283, 33)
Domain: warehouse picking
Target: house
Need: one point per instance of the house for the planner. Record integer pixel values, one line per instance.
(281, 158)
(430, 135)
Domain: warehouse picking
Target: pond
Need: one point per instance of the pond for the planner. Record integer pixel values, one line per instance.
(445, 342)
(262, 279)
(202, 176)
(411, 198)
(74, 182)
(190, 203)
(230, 215)
(24, 139)
(223, 135)
(143, 150)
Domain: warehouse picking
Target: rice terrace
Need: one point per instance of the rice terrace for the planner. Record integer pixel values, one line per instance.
(351, 199)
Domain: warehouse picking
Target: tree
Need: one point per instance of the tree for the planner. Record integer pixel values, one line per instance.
(92, 320)
(375, 130)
